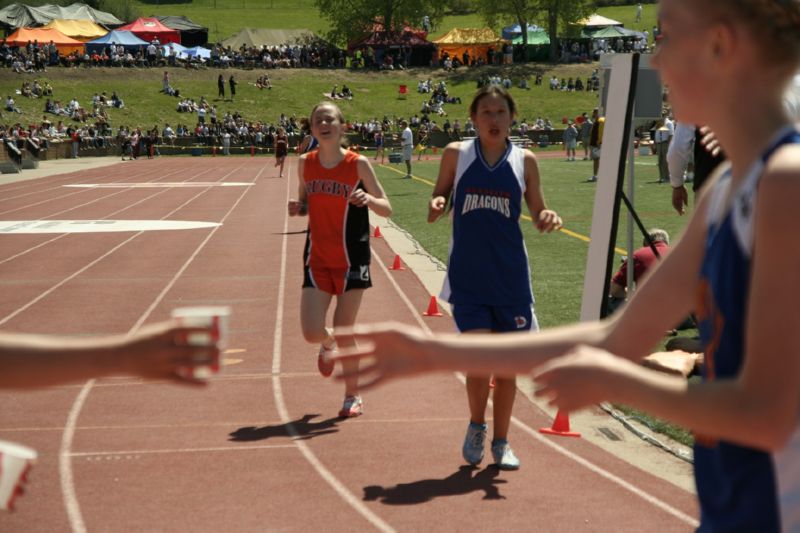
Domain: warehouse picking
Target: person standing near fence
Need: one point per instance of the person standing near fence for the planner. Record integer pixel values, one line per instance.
(232, 84)
(407, 145)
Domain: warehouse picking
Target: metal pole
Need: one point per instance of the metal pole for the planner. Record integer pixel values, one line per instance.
(631, 154)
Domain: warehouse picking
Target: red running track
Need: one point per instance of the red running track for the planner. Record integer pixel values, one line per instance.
(261, 448)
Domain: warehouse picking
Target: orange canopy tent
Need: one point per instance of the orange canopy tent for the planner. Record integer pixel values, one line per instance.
(64, 44)
(476, 41)
(82, 30)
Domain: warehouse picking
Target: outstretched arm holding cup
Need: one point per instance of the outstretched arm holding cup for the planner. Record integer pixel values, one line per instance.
(156, 351)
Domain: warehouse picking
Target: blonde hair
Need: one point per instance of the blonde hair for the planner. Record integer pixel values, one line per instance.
(773, 24)
(339, 115)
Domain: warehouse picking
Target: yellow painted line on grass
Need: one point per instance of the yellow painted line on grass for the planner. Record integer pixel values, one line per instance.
(565, 231)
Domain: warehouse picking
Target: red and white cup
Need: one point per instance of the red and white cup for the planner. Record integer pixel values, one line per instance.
(15, 463)
(214, 317)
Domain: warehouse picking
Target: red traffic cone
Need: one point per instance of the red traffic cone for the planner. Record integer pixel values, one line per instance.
(560, 426)
(397, 265)
(433, 308)
(377, 233)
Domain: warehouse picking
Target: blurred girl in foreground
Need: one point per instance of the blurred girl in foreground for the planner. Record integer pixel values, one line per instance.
(726, 63)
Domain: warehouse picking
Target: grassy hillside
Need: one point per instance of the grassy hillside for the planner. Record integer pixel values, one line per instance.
(295, 92)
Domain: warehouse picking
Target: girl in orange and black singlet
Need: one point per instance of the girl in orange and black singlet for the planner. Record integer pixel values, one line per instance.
(337, 187)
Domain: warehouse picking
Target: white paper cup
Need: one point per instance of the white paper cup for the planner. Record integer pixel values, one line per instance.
(214, 317)
(15, 463)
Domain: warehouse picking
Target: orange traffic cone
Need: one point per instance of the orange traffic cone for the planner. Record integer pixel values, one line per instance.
(433, 308)
(397, 265)
(560, 426)
(492, 382)
(213, 151)
(377, 233)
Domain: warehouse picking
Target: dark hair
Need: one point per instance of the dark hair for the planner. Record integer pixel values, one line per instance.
(486, 90)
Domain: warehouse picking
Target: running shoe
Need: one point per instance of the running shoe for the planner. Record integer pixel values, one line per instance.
(324, 363)
(472, 451)
(504, 456)
(353, 406)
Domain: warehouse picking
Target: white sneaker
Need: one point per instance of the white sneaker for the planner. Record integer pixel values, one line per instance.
(504, 456)
(353, 406)
(472, 450)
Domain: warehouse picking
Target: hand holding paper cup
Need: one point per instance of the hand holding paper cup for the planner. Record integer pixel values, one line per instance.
(216, 319)
(15, 463)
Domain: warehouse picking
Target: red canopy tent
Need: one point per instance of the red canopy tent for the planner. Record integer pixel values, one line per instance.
(150, 28)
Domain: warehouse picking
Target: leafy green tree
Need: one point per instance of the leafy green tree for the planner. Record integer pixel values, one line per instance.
(353, 19)
(557, 16)
(560, 18)
(500, 12)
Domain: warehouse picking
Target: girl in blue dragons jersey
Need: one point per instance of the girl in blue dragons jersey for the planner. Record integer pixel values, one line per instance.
(488, 276)
(726, 63)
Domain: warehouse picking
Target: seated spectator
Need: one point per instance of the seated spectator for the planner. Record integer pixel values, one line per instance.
(346, 92)
(523, 84)
(168, 134)
(116, 101)
(643, 259)
(11, 105)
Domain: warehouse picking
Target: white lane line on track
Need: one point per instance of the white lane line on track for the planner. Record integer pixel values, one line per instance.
(68, 492)
(94, 262)
(82, 191)
(51, 240)
(280, 403)
(646, 496)
(184, 450)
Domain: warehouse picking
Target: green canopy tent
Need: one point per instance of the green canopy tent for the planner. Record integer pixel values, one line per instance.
(538, 48)
(534, 38)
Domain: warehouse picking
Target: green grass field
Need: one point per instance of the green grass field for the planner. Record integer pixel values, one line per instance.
(295, 91)
(558, 260)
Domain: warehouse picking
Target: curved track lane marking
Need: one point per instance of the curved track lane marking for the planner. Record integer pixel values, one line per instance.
(280, 404)
(646, 496)
(64, 460)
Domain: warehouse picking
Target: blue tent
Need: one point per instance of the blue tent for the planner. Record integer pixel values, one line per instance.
(199, 51)
(118, 37)
(510, 32)
(180, 50)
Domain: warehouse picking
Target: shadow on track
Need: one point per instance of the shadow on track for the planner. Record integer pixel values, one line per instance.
(303, 427)
(459, 483)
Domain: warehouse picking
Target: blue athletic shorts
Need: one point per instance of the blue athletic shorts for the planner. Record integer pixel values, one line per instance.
(497, 318)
